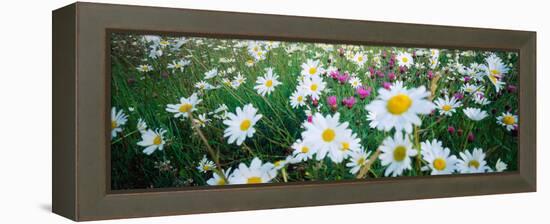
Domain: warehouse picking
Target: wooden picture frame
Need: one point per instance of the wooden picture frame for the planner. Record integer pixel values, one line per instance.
(81, 91)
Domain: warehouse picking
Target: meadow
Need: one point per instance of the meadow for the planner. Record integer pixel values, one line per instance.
(192, 111)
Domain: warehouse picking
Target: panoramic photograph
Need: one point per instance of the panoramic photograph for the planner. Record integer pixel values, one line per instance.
(195, 111)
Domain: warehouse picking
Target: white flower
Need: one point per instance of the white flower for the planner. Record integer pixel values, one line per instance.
(404, 59)
(117, 120)
(371, 117)
(311, 68)
(254, 174)
(396, 153)
(399, 107)
(297, 99)
(186, 106)
(206, 165)
(202, 85)
(500, 166)
(267, 83)
(469, 88)
(241, 125)
(473, 162)
(152, 140)
(216, 179)
(475, 114)
(175, 65)
(360, 59)
(348, 143)
(508, 120)
(325, 133)
(279, 164)
(480, 99)
(238, 81)
(211, 74)
(495, 71)
(141, 126)
(355, 82)
(358, 159)
(440, 160)
(302, 151)
(201, 120)
(447, 106)
(144, 68)
(313, 86)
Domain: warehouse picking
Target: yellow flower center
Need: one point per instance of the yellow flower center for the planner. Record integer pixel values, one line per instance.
(399, 153)
(278, 163)
(314, 87)
(360, 58)
(312, 70)
(250, 61)
(446, 107)
(186, 107)
(508, 120)
(245, 124)
(361, 161)
(473, 163)
(305, 149)
(328, 135)
(439, 164)
(113, 124)
(355, 83)
(345, 146)
(164, 42)
(300, 99)
(405, 60)
(254, 180)
(495, 72)
(221, 181)
(260, 53)
(269, 83)
(399, 104)
(157, 140)
(177, 66)
(206, 167)
(255, 49)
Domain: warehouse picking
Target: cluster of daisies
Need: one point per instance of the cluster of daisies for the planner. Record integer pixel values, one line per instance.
(395, 108)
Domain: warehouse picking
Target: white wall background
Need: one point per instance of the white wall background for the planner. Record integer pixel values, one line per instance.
(25, 111)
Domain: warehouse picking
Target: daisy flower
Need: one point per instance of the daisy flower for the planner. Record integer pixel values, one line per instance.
(267, 83)
(348, 143)
(447, 106)
(144, 68)
(186, 106)
(201, 120)
(325, 133)
(152, 140)
(371, 117)
(360, 59)
(241, 124)
(470, 88)
(472, 162)
(302, 151)
(440, 160)
(202, 85)
(480, 99)
(279, 164)
(256, 173)
(404, 59)
(175, 65)
(399, 107)
(141, 126)
(500, 166)
(508, 120)
(475, 114)
(355, 82)
(311, 68)
(206, 165)
(117, 120)
(314, 86)
(396, 153)
(495, 71)
(297, 99)
(211, 74)
(358, 159)
(249, 63)
(217, 180)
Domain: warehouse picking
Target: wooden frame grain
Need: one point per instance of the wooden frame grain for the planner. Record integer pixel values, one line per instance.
(81, 103)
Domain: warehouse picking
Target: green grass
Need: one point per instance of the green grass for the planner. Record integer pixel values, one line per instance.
(149, 93)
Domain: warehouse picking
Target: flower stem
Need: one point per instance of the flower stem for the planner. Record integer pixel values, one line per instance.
(367, 166)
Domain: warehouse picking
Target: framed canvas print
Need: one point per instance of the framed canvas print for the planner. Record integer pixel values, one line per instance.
(202, 111)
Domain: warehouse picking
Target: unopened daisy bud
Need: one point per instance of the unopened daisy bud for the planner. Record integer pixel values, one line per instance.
(363, 93)
(459, 132)
(386, 85)
(391, 76)
(451, 130)
(315, 102)
(471, 137)
(402, 69)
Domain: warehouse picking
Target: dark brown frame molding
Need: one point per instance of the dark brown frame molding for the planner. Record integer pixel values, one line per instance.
(81, 94)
